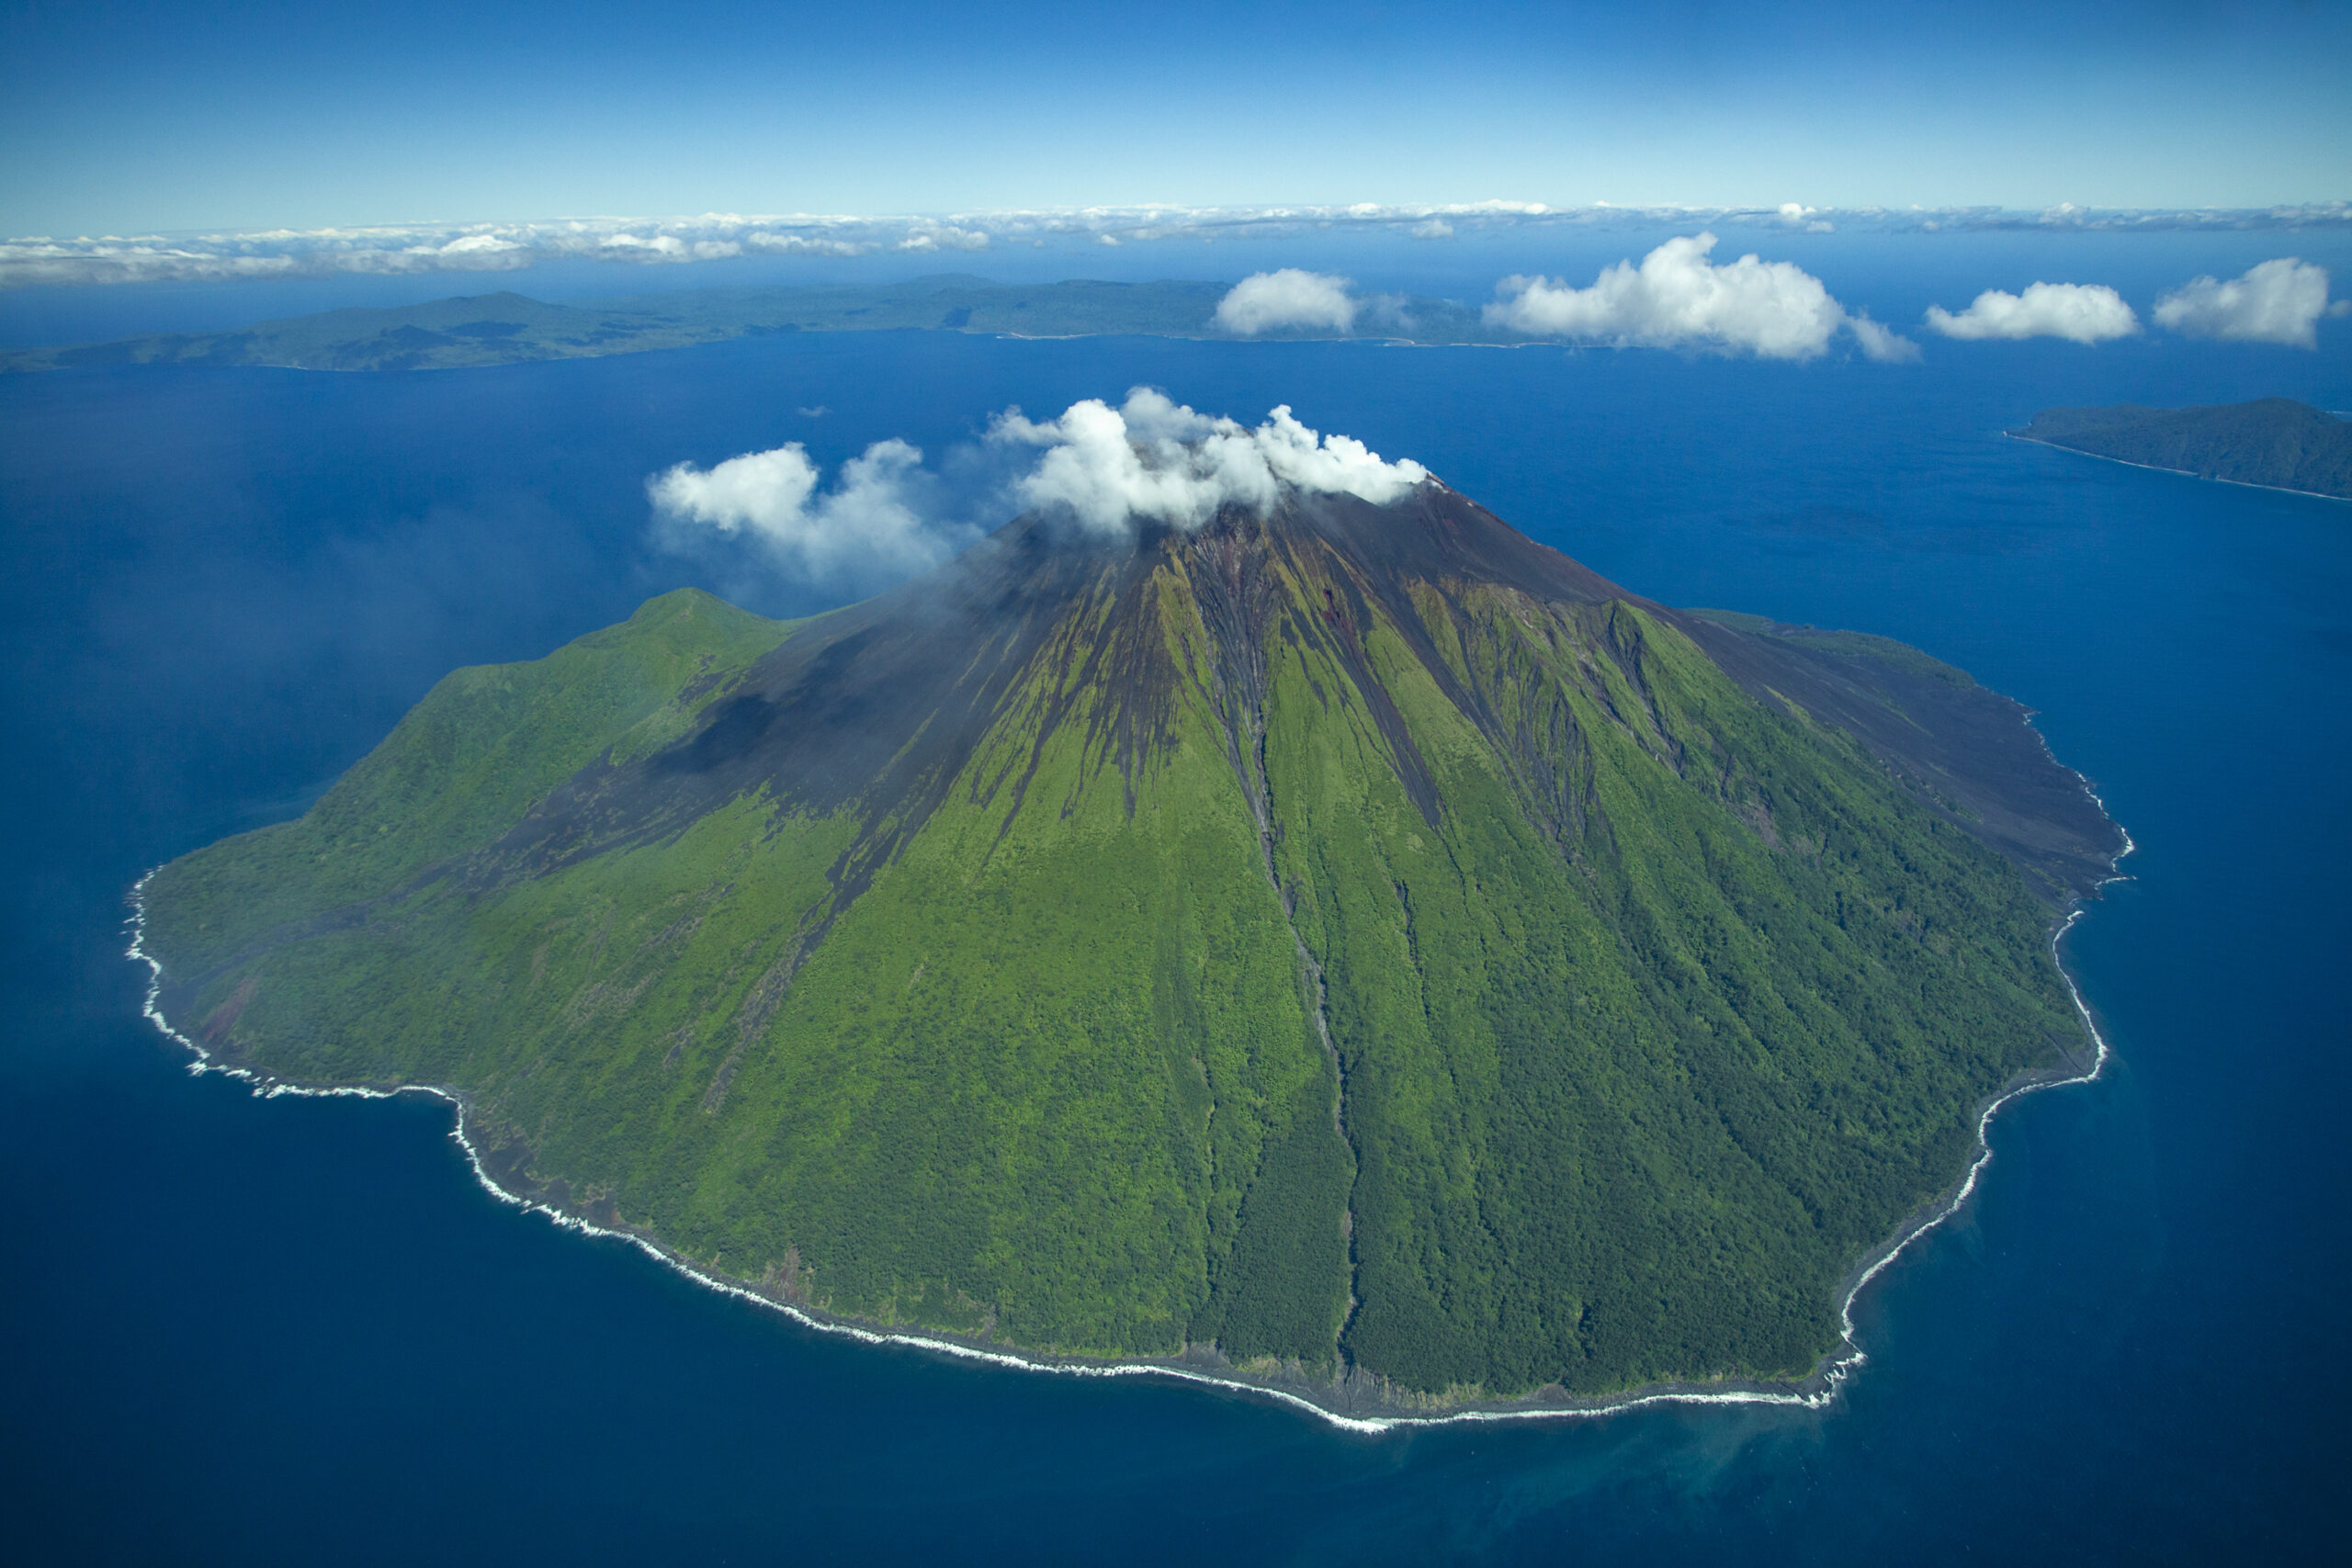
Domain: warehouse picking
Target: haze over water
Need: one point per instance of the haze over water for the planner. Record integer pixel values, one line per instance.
(297, 1330)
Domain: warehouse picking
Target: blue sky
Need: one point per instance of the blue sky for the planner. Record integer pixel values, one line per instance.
(125, 118)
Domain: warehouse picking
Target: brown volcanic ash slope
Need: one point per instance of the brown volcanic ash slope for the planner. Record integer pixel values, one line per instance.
(1361, 940)
(887, 701)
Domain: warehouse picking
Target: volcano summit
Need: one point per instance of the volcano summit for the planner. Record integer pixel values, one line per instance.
(1329, 940)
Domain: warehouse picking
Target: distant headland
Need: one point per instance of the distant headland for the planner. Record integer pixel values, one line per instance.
(509, 329)
(2275, 443)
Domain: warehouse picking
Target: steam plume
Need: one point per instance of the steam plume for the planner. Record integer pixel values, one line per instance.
(888, 517)
(1155, 459)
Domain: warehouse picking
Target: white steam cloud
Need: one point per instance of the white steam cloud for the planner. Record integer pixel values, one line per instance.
(875, 526)
(1677, 299)
(2278, 302)
(887, 516)
(1289, 297)
(2079, 312)
(1158, 460)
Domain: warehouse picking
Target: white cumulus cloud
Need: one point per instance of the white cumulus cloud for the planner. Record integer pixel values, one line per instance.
(2277, 301)
(1291, 297)
(2079, 312)
(876, 524)
(1677, 299)
(1155, 459)
(943, 237)
(1881, 343)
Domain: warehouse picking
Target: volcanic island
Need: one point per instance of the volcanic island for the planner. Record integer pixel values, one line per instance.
(1343, 947)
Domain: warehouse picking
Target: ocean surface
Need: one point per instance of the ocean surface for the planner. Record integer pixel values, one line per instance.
(256, 1331)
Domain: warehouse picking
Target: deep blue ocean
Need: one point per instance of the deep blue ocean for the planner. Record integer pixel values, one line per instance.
(295, 1331)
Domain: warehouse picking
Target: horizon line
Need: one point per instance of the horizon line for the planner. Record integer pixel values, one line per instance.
(223, 254)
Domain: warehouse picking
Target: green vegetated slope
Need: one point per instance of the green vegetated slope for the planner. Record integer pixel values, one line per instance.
(1365, 940)
(2271, 441)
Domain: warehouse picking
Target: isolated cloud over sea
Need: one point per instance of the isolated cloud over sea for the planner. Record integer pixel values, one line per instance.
(2079, 312)
(880, 521)
(1287, 300)
(1677, 299)
(2277, 301)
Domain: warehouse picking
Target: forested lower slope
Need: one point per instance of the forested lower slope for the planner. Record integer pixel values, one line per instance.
(1363, 940)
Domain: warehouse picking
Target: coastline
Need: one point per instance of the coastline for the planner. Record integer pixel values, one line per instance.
(1816, 1390)
(2160, 468)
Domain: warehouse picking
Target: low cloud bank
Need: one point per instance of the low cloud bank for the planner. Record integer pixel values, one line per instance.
(887, 517)
(1153, 458)
(1290, 298)
(2079, 312)
(717, 236)
(880, 523)
(1677, 299)
(2278, 302)
(479, 247)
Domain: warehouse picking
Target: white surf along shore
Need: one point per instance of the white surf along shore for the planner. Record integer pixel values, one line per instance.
(1817, 1392)
(2183, 473)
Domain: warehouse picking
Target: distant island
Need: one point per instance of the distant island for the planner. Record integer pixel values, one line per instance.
(1354, 951)
(2275, 443)
(508, 329)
